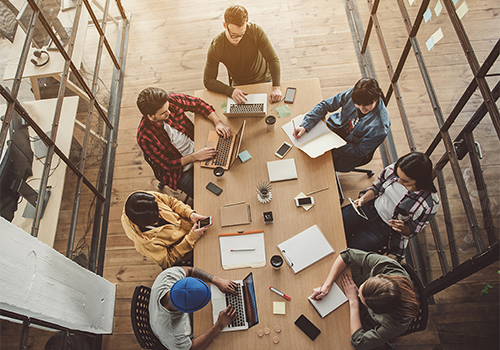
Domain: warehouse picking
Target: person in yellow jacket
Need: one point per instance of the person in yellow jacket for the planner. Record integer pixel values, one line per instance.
(162, 228)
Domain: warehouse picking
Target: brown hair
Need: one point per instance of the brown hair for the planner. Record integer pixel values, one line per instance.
(366, 91)
(236, 14)
(151, 99)
(393, 294)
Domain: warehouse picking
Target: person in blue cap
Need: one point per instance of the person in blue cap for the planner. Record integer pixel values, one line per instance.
(177, 292)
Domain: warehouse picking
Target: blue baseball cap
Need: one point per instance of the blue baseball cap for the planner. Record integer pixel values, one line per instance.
(189, 294)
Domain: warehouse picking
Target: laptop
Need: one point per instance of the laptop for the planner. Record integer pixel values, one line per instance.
(255, 106)
(244, 303)
(227, 149)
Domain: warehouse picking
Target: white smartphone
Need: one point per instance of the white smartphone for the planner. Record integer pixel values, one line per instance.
(283, 150)
(304, 201)
(205, 222)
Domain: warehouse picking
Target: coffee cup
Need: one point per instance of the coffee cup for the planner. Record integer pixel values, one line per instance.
(270, 122)
(276, 261)
(219, 173)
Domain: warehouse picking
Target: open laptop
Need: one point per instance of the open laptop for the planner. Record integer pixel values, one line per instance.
(227, 149)
(244, 303)
(255, 106)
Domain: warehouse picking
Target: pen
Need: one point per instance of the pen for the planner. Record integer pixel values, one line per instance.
(228, 205)
(279, 293)
(294, 130)
(308, 194)
(243, 250)
(277, 104)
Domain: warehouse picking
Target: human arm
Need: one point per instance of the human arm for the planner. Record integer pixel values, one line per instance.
(266, 48)
(323, 108)
(221, 128)
(366, 197)
(351, 292)
(275, 95)
(224, 285)
(337, 268)
(212, 69)
(414, 212)
(226, 316)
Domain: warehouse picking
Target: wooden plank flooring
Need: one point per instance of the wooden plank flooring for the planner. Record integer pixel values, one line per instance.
(167, 48)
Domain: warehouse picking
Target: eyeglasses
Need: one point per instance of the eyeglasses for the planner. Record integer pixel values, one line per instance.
(235, 36)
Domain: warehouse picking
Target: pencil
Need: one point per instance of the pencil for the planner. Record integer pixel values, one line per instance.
(323, 189)
(228, 205)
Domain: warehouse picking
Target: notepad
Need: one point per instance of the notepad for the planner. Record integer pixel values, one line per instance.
(278, 307)
(235, 215)
(333, 300)
(245, 258)
(315, 142)
(281, 170)
(305, 248)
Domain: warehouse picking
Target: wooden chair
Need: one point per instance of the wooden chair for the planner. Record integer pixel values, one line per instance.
(139, 312)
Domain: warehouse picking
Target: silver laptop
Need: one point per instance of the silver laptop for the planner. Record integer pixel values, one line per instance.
(255, 106)
(244, 303)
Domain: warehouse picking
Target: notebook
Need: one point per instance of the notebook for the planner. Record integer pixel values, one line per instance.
(245, 304)
(227, 149)
(315, 142)
(255, 106)
(233, 215)
(333, 300)
(282, 170)
(305, 248)
(242, 249)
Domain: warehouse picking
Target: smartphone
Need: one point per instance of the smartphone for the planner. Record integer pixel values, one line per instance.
(214, 188)
(290, 94)
(304, 201)
(283, 150)
(307, 327)
(205, 222)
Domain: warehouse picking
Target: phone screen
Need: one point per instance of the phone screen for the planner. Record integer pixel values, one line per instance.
(290, 95)
(283, 149)
(305, 201)
(307, 327)
(214, 188)
(204, 222)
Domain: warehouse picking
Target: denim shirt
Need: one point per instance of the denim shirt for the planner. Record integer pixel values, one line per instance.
(367, 134)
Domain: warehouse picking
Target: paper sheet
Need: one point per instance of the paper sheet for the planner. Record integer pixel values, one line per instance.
(427, 15)
(333, 300)
(462, 10)
(241, 259)
(438, 8)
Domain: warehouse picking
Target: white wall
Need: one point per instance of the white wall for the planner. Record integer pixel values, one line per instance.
(39, 282)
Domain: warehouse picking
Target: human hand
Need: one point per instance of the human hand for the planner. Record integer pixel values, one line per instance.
(195, 217)
(198, 231)
(350, 288)
(397, 225)
(359, 202)
(239, 96)
(320, 292)
(223, 130)
(205, 153)
(226, 316)
(225, 286)
(275, 95)
(299, 131)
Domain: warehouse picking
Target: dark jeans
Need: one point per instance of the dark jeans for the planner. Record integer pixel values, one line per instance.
(186, 182)
(368, 235)
(342, 163)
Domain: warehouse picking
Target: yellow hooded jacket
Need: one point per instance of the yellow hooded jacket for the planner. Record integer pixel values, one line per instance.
(167, 244)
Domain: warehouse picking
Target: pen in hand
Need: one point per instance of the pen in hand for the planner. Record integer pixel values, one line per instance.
(294, 130)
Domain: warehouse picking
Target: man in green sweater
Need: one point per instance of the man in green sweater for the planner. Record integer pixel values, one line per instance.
(248, 55)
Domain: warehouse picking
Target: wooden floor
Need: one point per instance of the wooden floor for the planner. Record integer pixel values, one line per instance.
(167, 48)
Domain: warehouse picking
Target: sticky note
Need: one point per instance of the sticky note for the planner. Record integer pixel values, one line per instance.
(455, 2)
(462, 10)
(438, 35)
(224, 106)
(278, 307)
(438, 8)
(427, 15)
(429, 43)
(283, 111)
(244, 156)
(411, 2)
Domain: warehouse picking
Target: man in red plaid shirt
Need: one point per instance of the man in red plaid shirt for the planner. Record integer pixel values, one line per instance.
(166, 135)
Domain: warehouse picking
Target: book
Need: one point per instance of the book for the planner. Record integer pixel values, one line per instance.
(333, 300)
(305, 248)
(235, 215)
(282, 170)
(315, 142)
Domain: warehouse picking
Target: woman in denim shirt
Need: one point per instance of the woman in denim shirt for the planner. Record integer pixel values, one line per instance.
(363, 122)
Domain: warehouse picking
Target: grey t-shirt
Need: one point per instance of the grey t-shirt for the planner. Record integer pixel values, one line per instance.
(173, 328)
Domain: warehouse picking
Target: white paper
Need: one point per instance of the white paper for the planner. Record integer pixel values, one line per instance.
(333, 300)
(462, 10)
(438, 8)
(281, 170)
(427, 15)
(241, 259)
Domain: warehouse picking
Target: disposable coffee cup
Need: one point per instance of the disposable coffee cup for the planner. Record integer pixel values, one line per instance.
(276, 261)
(270, 122)
(219, 173)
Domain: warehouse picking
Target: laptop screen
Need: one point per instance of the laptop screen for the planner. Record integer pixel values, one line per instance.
(250, 300)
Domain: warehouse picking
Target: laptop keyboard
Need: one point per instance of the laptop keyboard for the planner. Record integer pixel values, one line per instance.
(247, 108)
(223, 148)
(237, 302)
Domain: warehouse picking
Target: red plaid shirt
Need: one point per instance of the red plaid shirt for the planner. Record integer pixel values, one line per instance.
(155, 143)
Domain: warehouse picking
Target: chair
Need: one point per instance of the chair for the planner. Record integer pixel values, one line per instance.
(139, 312)
(420, 322)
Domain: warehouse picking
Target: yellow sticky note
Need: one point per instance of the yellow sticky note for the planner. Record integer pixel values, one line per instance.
(278, 307)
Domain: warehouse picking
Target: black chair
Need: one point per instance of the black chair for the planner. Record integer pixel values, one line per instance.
(420, 322)
(139, 313)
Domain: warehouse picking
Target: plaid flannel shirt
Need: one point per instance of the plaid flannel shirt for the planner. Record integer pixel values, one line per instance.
(155, 143)
(416, 208)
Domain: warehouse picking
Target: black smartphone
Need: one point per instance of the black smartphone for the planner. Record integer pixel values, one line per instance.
(290, 94)
(307, 327)
(205, 222)
(214, 188)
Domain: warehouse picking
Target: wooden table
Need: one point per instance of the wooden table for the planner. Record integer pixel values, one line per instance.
(239, 184)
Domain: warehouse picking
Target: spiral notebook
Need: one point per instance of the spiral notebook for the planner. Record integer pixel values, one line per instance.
(305, 248)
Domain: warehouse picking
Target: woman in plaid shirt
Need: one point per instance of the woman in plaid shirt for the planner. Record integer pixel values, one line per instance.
(398, 206)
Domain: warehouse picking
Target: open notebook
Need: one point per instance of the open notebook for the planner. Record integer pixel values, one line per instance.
(315, 142)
